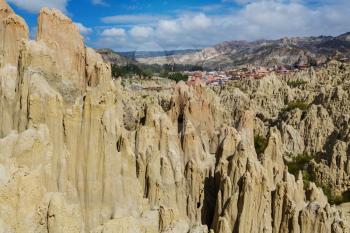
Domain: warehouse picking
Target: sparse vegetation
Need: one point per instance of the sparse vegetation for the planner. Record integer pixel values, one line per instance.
(260, 144)
(173, 72)
(332, 198)
(296, 83)
(178, 77)
(301, 164)
(129, 70)
(146, 71)
(296, 104)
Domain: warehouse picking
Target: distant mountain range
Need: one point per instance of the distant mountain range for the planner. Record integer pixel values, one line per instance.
(285, 51)
(115, 58)
(134, 55)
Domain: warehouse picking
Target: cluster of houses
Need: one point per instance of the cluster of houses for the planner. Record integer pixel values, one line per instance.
(218, 78)
(255, 72)
(209, 78)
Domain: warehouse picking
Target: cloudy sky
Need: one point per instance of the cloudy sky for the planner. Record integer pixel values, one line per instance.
(138, 25)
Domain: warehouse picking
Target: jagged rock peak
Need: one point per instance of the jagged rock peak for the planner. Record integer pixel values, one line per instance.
(55, 13)
(13, 30)
(49, 23)
(61, 35)
(4, 6)
(8, 15)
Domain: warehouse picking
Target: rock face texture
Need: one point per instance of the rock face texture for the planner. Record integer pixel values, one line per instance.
(13, 30)
(80, 153)
(61, 36)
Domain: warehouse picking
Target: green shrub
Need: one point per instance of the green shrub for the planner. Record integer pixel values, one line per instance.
(307, 178)
(299, 163)
(296, 83)
(178, 77)
(335, 199)
(296, 104)
(130, 70)
(332, 199)
(327, 190)
(260, 144)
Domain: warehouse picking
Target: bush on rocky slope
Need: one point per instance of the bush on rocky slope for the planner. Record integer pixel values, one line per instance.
(296, 83)
(296, 104)
(260, 144)
(178, 77)
(334, 199)
(301, 164)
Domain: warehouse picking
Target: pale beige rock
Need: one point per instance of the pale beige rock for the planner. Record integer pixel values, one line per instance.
(97, 71)
(8, 97)
(316, 128)
(60, 34)
(293, 141)
(63, 218)
(13, 31)
(26, 158)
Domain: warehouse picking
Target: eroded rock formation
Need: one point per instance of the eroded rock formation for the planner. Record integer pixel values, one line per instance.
(79, 153)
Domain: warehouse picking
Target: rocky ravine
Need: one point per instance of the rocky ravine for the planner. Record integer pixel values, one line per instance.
(79, 153)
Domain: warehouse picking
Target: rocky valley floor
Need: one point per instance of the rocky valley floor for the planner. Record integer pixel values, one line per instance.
(82, 153)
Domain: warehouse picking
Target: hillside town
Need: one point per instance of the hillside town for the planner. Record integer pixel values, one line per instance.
(219, 78)
(255, 72)
(249, 71)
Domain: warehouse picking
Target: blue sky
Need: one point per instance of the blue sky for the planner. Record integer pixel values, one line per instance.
(179, 24)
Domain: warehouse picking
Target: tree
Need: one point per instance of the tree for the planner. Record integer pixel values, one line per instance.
(178, 77)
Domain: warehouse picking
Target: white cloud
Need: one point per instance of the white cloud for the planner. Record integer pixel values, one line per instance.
(99, 2)
(256, 19)
(84, 30)
(131, 19)
(141, 32)
(113, 32)
(198, 21)
(241, 1)
(34, 6)
(245, 2)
